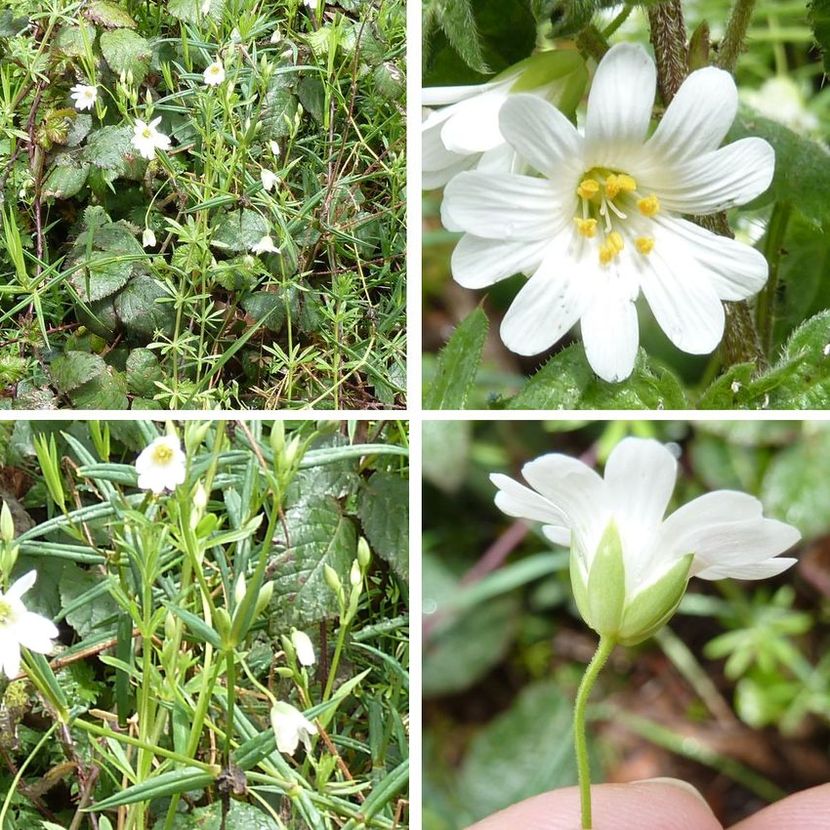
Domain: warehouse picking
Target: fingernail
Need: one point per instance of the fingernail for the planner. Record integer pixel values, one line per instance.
(675, 782)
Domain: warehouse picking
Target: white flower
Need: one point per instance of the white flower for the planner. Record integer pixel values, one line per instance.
(303, 647)
(465, 133)
(312, 4)
(291, 727)
(265, 245)
(214, 74)
(147, 139)
(148, 238)
(275, 147)
(604, 222)
(629, 565)
(19, 627)
(84, 96)
(269, 179)
(276, 36)
(161, 465)
(205, 7)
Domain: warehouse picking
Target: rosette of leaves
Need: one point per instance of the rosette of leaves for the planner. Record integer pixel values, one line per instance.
(115, 292)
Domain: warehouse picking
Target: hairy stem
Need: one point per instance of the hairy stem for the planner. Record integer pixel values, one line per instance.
(590, 41)
(772, 249)
(733, 40)
(668, 36)
(603, 652)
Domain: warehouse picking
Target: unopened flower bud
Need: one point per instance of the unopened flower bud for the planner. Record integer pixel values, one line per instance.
(240, 589)
(303, 647)
(354, 574)
(6, 524)
(364, 554)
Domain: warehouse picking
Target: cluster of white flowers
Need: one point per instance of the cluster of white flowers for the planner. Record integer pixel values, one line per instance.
(594, 217)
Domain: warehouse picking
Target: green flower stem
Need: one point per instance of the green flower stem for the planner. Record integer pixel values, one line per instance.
(603, 652)
(772, 249)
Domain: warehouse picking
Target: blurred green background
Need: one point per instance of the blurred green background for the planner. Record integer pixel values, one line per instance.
(734, 695)
(779, 75)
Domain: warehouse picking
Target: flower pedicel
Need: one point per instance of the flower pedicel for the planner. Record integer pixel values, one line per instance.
(630, 566)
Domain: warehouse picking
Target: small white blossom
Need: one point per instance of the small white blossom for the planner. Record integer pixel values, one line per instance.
(147, 138)
(161, 465)
(265, 245)
(275, 147)
(148, 238)
(19, 627)
(605, 221)
(214, 74)
(735, 386)
(290, 727)
(302, 645)
(269, 179)
(826, 349)
(312, 4)
(205, 7)
(615, 525)
(84, 96)
(276, 36)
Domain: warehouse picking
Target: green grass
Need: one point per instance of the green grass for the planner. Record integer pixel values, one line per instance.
(199, 320)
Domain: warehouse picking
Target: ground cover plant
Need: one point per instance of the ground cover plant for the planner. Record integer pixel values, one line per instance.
(203, 625)
(732, 695)
(202, 204)
(636, 187)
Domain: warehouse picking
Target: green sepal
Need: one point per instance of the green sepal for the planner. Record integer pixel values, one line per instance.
(606, 584)
(544, 67)
(580, 589)
(652, 608)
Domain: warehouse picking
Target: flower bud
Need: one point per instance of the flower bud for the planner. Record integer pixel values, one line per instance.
(355, 576)
(263, 598)
(240, 589)
(6, 524)
(303, 647)
(277, 437)
(364, 554)
(332, 579)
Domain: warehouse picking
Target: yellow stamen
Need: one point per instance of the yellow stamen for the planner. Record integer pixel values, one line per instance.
(615, 240)
(606, 253)
(626, 183)
(612, 186)
(650, 206)
(587, 188)
(586, 227)
(162, 454)
(645, 244)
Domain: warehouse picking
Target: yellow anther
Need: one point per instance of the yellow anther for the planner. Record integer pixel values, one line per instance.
(587, 188)
(615, 240)
(626, 183)
(645, 244)
(612, 186)
(586, 227)
(650, 206)
(607, 252)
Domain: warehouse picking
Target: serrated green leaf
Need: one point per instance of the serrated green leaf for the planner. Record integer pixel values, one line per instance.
(567, 381)
(731, 390)
(73, 369)
(105, 391)
(70, 40)
(109, 15)
(383, 507)
(65, 179)
(139, 310)
(143, 371)
(102, 276)
(240, 815)
(127, 52)
(270, 307)
(803, 372)
(239, 230)
(802, 166)
(458, 364)
(84, 615)
(190, 11)
(108, 147)
(279, 107)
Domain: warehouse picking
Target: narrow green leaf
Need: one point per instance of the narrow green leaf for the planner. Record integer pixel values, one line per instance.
(196, 625)
(168, 783)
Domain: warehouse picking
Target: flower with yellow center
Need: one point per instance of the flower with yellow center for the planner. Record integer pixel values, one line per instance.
(19, 627)
(604, 221)
(161, 465)
(147, 138)
(214, 74)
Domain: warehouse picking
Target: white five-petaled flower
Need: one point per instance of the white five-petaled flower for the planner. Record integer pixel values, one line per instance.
(19, 627)
(616, 530)
(161, 465)
(290, 727)
(268, 178)
(461, 129)
(147, 138)
(84, 96)
(214, 74)
(604, 221)
(302, 645)
(265, 246)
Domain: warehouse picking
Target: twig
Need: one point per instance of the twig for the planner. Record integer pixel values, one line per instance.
(668, 36)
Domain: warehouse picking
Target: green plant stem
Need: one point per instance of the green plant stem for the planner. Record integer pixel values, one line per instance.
(590, 41)
(733, 39)
(335, 660)
(603, 652)
(772, 250)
